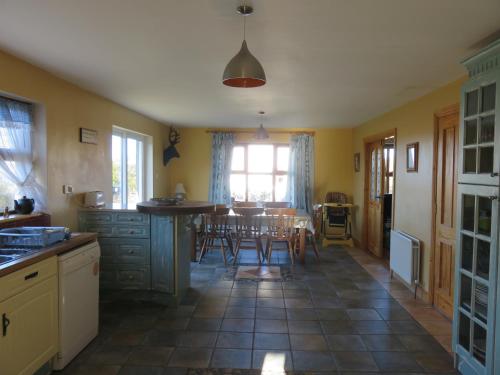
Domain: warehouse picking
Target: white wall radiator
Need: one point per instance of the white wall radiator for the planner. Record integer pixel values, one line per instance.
(405, 257)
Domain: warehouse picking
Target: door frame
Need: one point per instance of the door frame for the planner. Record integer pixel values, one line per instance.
(443, 112)
(366, 189)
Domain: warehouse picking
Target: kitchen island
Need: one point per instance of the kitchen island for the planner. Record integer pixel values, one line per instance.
(171, 242)
(148, 248)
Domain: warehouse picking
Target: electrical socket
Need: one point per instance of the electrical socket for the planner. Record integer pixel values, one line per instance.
(67, 189)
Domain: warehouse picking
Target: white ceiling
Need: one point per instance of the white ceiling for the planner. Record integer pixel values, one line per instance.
(329, 63)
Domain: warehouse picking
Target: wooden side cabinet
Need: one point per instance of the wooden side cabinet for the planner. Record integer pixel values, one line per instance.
(29, 318)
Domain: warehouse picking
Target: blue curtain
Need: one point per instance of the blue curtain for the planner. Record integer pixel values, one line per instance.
(222, 151)
(300, 186)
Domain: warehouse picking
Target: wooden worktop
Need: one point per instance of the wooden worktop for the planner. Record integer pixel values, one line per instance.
(77, 239)
(181, 208)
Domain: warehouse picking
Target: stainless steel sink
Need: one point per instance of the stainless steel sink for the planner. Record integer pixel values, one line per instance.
(10, 254)
(6, 258)
(14, 252)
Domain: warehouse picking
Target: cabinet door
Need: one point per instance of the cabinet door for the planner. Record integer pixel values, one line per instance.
(479, 157)
(162, 253)
(474, 315)
(31, 337)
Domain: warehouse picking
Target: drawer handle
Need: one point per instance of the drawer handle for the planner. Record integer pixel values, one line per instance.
(492, 197)
(131, 251)
(31, 275)
(5, 324)
(131, 232)
(494, 174)
(131, 277)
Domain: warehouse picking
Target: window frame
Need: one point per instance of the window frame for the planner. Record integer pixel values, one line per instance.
(142, 165)
(275, 172)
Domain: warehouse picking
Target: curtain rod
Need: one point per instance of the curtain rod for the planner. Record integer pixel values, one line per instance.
(251, 131)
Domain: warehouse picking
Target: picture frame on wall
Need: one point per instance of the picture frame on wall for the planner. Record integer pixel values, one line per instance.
(357, 161)
(412, 157)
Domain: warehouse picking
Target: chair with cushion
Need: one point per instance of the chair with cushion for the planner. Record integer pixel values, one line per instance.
(281, 229)
(336, 219)
(216, 229)
(248, 230)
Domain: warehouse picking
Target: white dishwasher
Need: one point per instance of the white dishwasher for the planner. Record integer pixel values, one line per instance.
(78, 301)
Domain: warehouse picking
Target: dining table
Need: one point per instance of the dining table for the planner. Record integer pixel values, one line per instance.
(302, 222)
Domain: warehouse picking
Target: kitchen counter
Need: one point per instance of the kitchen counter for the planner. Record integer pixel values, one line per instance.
(77, 239)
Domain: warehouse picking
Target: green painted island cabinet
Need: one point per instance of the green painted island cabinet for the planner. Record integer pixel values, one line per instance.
(140, 251)
(476, 320)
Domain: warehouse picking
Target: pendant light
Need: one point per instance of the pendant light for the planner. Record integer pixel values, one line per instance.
(244, 70)
(261, 133)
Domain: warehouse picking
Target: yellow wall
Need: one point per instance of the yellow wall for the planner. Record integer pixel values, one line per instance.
(333, 161)
(414, 122)
(67, 108)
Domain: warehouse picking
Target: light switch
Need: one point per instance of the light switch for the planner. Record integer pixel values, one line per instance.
(67, 189)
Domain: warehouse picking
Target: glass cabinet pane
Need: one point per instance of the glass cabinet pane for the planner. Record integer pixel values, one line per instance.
(488, 97)
(467, 252)
(485, 159)
(465, 292)
(479, 344)
(471, 103)
(484, 216)
(468, 212)
(464, 332)
(487, 129)
(470, 132)
(470, 160)
(481, 302)
(483, 259)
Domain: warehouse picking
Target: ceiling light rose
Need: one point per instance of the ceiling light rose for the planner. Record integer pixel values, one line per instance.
(261, 133)
(244, 70)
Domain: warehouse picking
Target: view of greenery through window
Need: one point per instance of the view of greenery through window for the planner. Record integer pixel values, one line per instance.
(259, 172)
(7, 193)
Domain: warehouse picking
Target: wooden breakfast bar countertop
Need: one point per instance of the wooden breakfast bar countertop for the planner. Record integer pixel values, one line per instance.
(181, 208)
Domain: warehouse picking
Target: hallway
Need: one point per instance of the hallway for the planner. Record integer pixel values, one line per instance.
(330, 316)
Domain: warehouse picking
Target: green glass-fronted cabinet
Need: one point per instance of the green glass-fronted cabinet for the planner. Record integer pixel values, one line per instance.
(476, 337)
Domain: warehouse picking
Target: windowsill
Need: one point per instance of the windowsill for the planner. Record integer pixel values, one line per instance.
(16, 217)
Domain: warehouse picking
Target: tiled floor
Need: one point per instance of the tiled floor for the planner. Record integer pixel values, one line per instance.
(330, 317)
(436, 324)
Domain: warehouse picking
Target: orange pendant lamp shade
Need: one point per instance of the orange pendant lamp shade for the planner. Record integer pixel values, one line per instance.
(244, 70)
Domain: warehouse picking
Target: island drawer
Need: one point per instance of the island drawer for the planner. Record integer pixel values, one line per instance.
(125, 251)
(125, 276)
(131, 218)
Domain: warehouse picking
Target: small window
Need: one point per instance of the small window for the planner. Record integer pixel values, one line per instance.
(259, 172)
(129, 168)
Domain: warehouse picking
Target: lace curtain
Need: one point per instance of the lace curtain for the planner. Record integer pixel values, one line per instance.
(300, 185)
(222, 152)
(16, 152)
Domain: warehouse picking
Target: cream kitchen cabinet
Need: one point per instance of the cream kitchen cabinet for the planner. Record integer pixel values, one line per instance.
(29, 318)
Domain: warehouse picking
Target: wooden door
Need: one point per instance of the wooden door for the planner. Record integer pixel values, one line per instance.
(375, 192)
(445, 205)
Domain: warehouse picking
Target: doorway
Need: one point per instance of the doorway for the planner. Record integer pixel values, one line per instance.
(445, 193)
(379, 188)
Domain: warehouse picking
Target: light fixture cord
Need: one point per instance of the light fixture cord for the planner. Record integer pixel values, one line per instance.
(244, 26)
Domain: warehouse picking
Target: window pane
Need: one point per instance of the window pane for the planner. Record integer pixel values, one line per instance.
(464, 331)
(238, 161)
(467, 252)
(8, 191)
(470, 132)
(260, 188)
(487, 129)
(470, 160)
(282, 158)
(479, 344)
(260, 158)
(483, 259)
(469, 212)
(116, 150)
(484, 219)
(280, 186)
(133, 173)
(238, 186)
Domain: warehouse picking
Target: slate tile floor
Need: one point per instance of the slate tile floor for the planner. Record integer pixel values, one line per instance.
(328, 317)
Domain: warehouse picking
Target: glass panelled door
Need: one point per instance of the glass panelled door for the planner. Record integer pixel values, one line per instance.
(480, 157)
(476, 273)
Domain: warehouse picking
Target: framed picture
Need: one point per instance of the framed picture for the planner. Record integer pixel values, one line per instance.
(412, 157)
(357, 158)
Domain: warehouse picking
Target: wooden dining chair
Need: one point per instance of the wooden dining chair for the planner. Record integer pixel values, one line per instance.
(309, 237)
(248, 230)
(277, 205)
(281, 229)
(239, 204)
(215, 228)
